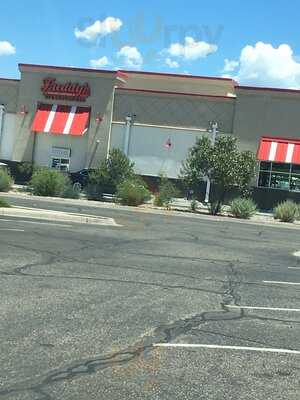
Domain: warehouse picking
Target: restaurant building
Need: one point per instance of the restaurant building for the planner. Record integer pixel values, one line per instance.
(69, 119)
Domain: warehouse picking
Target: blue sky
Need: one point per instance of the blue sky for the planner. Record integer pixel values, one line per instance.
(259, 40)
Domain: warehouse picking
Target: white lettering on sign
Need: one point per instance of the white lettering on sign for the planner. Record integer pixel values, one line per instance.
(61, 152)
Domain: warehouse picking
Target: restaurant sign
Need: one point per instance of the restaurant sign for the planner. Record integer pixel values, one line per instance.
(66, 91)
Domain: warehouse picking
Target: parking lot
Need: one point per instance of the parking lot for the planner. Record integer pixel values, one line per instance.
(161, 307)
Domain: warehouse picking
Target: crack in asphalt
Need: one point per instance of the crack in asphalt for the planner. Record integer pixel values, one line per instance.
(162, 334)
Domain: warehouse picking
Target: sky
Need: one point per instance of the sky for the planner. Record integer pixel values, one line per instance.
(254, 42)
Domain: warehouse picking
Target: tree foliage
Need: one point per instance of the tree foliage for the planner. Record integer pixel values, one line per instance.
(110, 173)
(225, 166)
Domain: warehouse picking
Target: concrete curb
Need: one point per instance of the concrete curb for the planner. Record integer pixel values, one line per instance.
(56, 216)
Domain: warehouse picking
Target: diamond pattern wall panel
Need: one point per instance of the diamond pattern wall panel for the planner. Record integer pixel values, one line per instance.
(181, 111)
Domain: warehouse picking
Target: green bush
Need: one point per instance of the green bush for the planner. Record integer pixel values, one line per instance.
(167, 191)
(194, 205)
(48, 182)
(24, 171)
(243, 208)
(158, 201)
(298, 213)
(111, 172)
(71, 191)
(6, 180)
(287, 211)
(132, 192)
(4, 203)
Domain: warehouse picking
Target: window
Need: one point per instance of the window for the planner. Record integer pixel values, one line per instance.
(62, 164)
(279, 176)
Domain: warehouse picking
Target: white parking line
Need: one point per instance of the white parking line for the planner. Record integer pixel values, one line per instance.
(293, 267)
(238, 348)
(264, 308)
(12, 230)
(282, 283)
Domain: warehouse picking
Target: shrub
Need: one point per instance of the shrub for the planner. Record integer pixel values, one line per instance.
(24, 171)
(132, 192)
(243, 208)
(287, 211)
(194, 205)
(94, 191)
(298, 213)
(4, 203)
(111, 172)
(71, 191)
(48, 182)
(166, 193)
(6, 181)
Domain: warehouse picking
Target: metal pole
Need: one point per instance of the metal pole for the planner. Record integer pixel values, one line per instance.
(2, 110)
(94, 153)
(127, 134)
(214, 126)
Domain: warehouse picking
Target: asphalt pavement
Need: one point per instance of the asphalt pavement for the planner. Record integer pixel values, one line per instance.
(160, 307)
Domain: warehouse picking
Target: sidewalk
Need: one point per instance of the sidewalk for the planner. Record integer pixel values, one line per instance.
(179, 207)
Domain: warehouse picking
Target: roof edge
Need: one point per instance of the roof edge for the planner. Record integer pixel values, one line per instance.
(56, 67)
(10, 79)
(218, 78)
(268, 89)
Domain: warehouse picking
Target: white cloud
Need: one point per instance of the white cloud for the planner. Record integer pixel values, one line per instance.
(131, 56)
(99, 29)
(191, 49)
(265, 65)
(171, 63)
(6, 48)
(230, 65)
(101, 62)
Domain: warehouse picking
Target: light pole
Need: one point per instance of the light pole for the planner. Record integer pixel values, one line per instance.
(213, 129)
(2, 111)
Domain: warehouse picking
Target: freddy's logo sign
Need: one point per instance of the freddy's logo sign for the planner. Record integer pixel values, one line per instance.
(67, 91)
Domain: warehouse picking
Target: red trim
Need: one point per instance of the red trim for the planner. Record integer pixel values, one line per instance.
(10, 79)
(261, 89)
(175, 93)
(67, 68)
(175, 75)
(281, 139)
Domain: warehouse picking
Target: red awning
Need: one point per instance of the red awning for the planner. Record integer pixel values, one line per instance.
(279, 150)
(60, 119)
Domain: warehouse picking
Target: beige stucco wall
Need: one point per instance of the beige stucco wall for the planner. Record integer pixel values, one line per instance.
(9, 90)
(265, 113)
(174, 110)
(147, 148)
(45, 142)
(30, 94)
(8, 136)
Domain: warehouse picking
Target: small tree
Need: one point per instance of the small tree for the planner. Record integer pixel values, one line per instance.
(167, 191)
(225, 166)
(110, 173)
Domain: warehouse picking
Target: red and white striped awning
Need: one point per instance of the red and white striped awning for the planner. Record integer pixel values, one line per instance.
(279, 150)
(61, 119)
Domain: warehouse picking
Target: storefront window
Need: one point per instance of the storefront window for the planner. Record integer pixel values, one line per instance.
(279, 176)
(62, 164)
